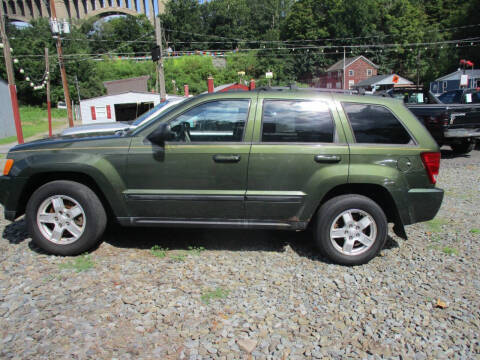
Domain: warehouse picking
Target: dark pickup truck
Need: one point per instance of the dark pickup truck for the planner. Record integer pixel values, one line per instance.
(453, 124)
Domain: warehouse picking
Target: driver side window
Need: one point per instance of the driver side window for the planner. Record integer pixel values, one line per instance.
(219, 121)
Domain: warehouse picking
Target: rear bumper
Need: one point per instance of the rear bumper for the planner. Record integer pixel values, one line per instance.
(462, 133)
(10, 191)
(423, 205)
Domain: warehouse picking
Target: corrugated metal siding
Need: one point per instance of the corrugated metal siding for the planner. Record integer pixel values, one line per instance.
(7, 125)
(100, 105)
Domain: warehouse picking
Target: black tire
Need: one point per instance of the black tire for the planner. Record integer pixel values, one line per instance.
(332, 209)
(463, 148)
(95, 217)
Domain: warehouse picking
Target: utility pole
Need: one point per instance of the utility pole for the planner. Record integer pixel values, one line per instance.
(53, 12)
(160, 74)
(418, 70)
(49, 106)
(11, 78)
(344, 68)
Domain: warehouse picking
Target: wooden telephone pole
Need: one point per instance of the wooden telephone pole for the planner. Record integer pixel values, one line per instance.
(11, 78)
(49, 106)
(160, 74)
(53, 12)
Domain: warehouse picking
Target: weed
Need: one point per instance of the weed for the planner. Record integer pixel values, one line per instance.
(158, 251)
(475, 231)
(178, 257)
(218, 293)
(80, 263)
(193, 250)
(436, 224)
(449, 251)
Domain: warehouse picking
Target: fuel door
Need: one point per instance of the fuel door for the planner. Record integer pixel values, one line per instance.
(404, 164)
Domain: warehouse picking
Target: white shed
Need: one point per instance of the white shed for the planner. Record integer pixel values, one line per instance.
(120, 107)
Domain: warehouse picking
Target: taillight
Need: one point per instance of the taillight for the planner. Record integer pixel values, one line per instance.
(431, 161)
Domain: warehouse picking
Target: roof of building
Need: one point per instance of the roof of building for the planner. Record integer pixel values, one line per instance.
(123, 93)
(127, 80)
(349, 61)
(383, 80)
(456, 75)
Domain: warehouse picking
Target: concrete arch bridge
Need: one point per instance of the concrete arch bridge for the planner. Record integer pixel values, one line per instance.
(26, 10)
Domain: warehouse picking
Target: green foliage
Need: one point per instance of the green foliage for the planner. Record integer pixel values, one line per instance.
(179, 257)
(475, 231)
(158, 251)
(194, 250)
(274, 30)
(449, 251)
(436, 224)
(210, 295)
(80, 263)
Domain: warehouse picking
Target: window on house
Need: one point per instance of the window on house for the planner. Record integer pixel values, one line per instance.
(369, 72)
(296, 121)
(351, 73)
(444, 86)
(375, 124)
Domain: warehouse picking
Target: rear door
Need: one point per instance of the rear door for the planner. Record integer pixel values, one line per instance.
(298, 153)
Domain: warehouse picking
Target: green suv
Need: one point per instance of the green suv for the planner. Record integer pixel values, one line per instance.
(343, 165)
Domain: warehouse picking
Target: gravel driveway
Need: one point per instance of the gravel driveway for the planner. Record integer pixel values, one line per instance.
(250, 294)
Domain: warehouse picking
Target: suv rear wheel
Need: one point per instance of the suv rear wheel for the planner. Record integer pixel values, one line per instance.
(464, 147)
(65, 217)
(350, 229)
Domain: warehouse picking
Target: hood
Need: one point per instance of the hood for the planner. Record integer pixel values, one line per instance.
(62, 139)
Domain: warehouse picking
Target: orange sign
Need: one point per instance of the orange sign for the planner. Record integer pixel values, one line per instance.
(395, 79)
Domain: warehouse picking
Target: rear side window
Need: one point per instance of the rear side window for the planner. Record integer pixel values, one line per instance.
(375, 124)
(297, 121)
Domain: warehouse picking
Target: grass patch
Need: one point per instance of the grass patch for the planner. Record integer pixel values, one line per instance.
(35, 121)
(158, 251)
(475, 231)
(194, 250)
(80, 263)
(449, 251)
(218, 293)
(436, 224)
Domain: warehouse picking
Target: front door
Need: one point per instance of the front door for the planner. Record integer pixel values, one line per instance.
(298, 153)
(201, 175)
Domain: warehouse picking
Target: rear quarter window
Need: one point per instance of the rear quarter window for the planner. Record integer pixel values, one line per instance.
(375, 124)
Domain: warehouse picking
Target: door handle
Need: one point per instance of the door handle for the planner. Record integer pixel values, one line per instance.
(226, 158)
(327, 158)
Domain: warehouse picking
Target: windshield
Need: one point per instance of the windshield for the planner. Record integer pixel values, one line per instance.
(451, 97)
(142, 117)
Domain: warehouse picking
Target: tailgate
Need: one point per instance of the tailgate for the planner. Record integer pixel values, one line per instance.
(463, 116)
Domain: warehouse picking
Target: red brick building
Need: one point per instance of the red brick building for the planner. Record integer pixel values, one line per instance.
(356, 69)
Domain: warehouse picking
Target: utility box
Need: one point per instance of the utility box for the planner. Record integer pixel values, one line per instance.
(7, 124)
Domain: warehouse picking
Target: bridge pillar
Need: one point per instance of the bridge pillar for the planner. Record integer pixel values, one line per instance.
(11, 8)
(98, 5)
(152, 11)
(35, 10)
(81, 9)
(44, 9)
(141, 8)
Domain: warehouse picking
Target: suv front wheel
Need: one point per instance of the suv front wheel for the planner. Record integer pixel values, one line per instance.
(350, 229)
(65, 217)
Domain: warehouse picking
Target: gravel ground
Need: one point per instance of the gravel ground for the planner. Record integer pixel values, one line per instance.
(250, 294)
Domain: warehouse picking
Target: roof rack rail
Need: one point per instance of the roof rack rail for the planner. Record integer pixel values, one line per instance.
(295, 87)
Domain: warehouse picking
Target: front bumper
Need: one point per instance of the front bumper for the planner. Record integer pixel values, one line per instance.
(10, 191)
(423, 205)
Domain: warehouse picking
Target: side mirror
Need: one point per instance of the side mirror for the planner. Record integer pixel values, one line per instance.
(161, 134)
